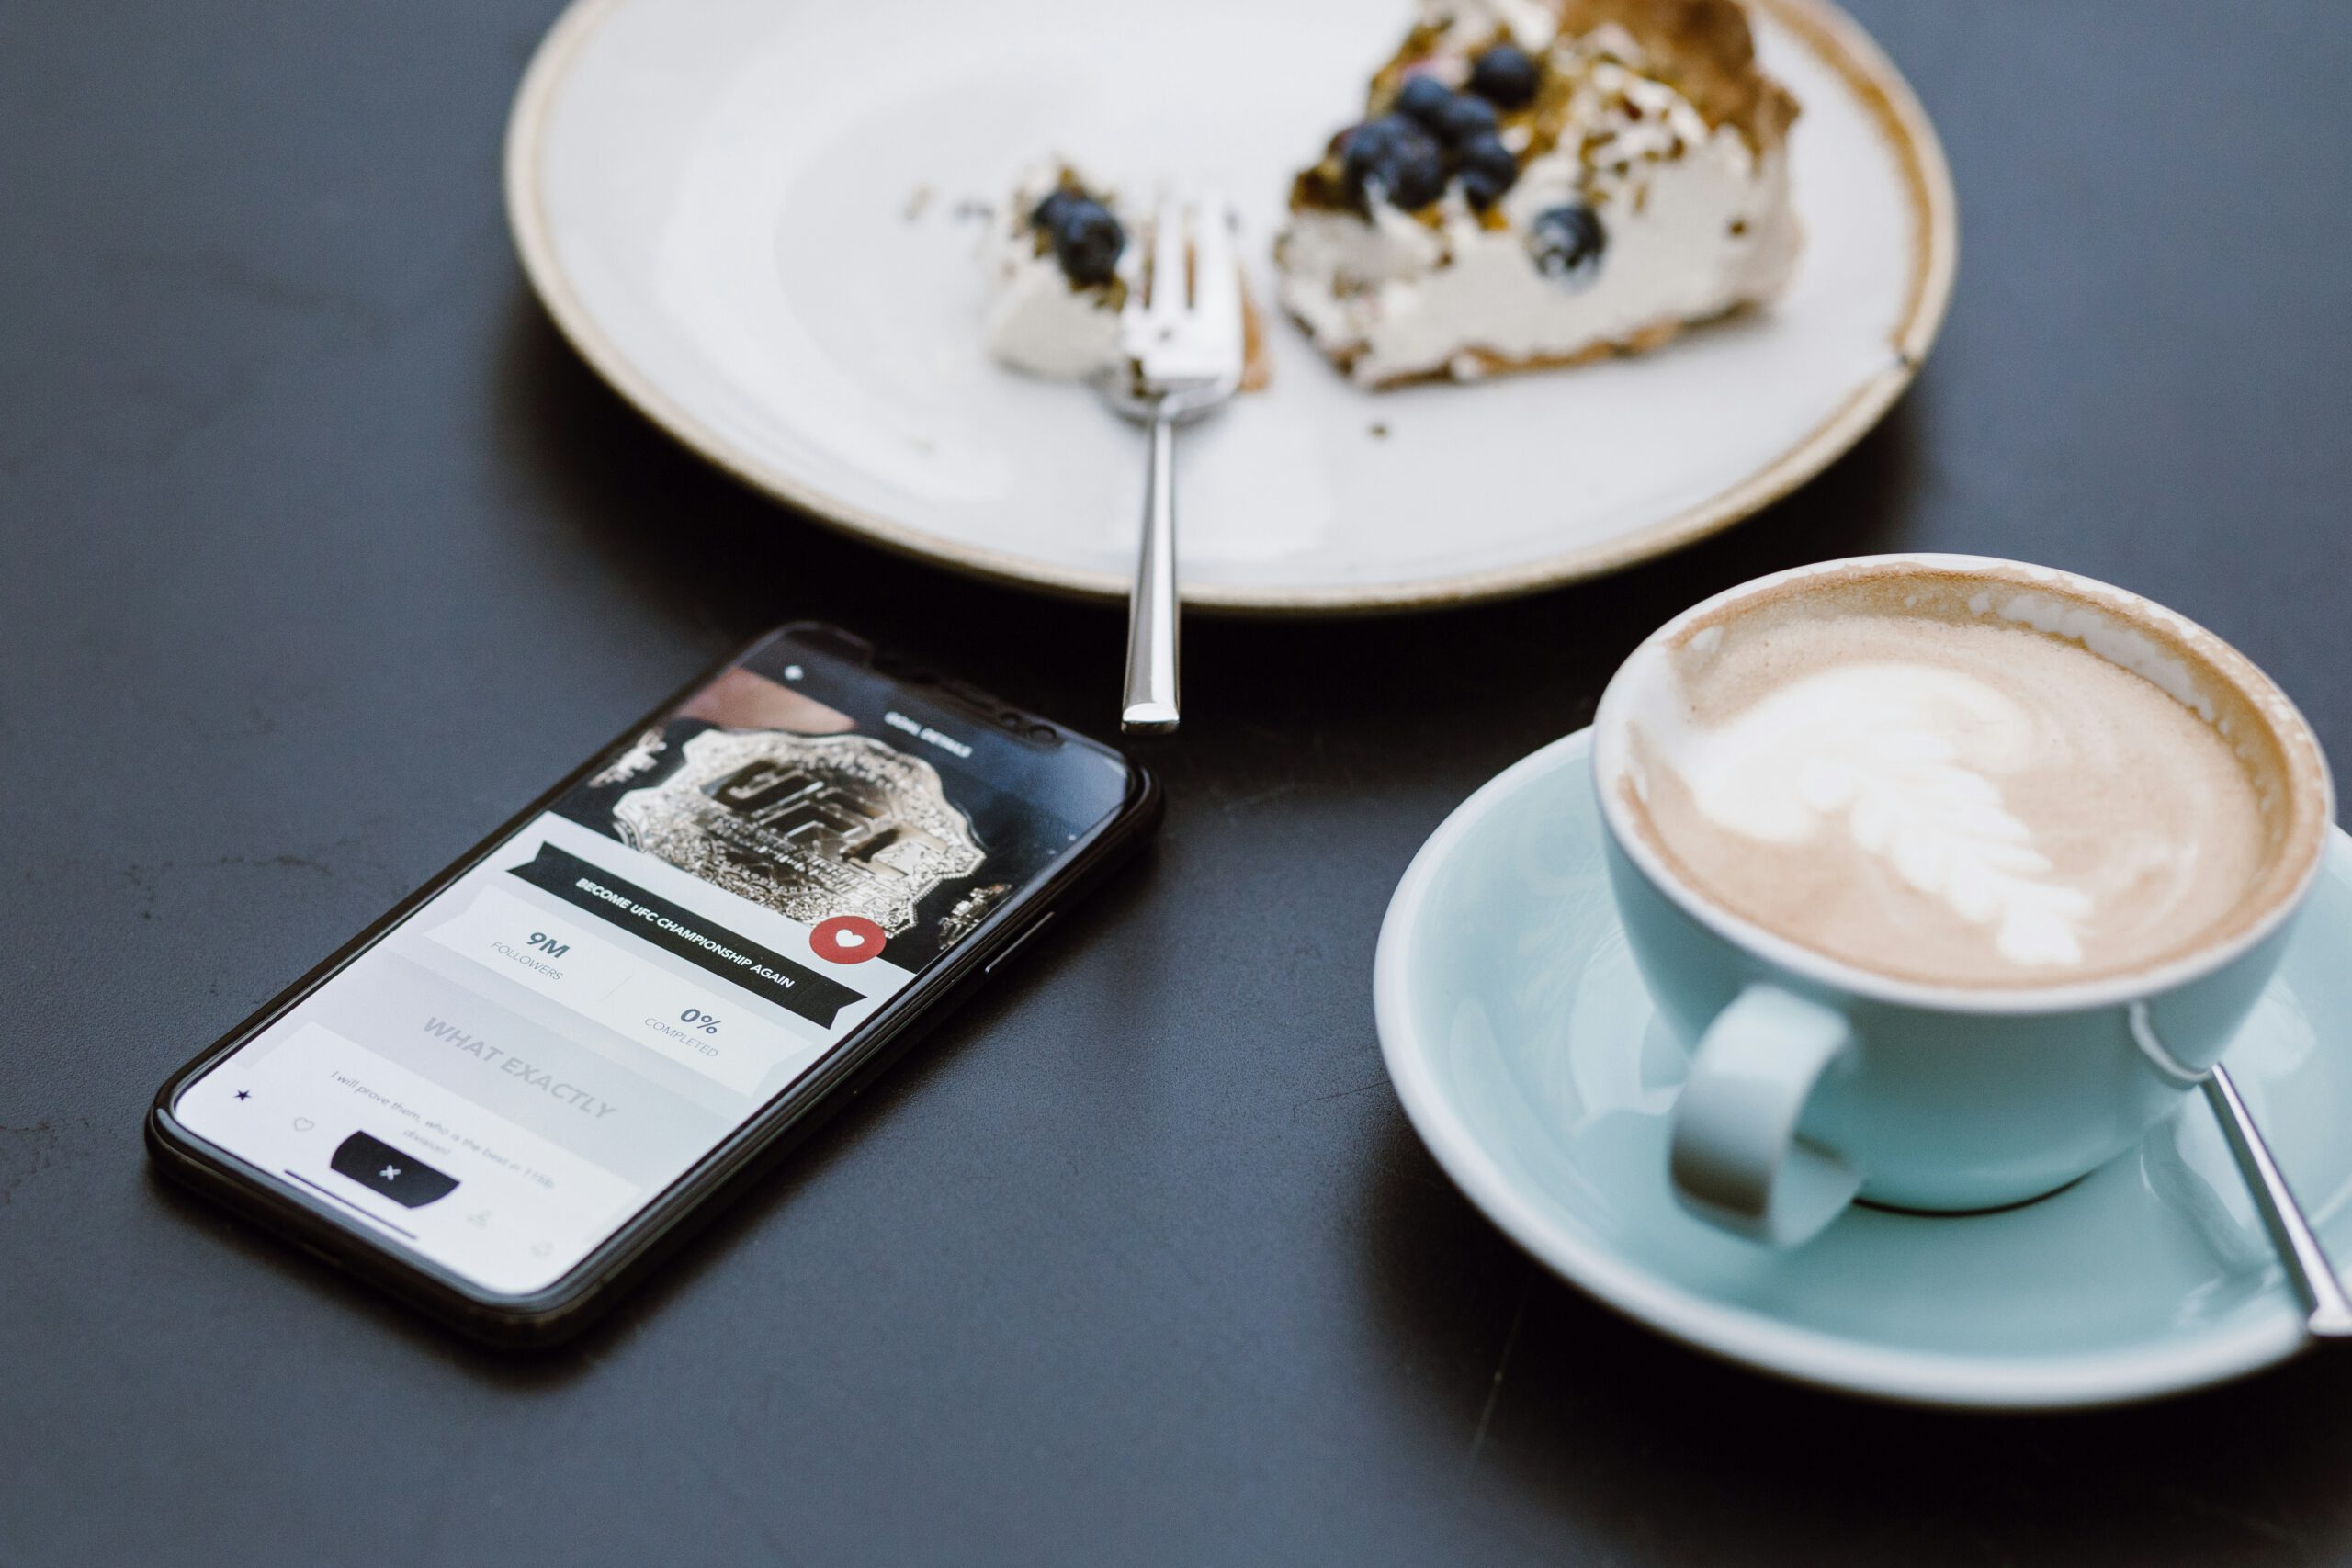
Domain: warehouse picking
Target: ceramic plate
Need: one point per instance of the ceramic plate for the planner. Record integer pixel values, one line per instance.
(1527, 1054)
(750, 216)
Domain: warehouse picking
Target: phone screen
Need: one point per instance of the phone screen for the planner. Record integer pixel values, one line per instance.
(504, 1078)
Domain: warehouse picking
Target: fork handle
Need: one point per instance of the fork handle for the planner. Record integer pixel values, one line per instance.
(1150, 703)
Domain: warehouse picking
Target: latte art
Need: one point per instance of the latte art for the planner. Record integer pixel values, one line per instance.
(1875, 752)
(1960, 799)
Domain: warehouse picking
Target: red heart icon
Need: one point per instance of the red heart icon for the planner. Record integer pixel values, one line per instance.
(846, 938)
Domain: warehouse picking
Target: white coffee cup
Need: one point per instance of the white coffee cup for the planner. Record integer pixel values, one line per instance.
(1815, 1080)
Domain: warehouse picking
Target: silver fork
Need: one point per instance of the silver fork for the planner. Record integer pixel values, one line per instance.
(1180, 339)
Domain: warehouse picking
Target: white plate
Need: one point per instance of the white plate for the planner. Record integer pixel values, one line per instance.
(745, 213)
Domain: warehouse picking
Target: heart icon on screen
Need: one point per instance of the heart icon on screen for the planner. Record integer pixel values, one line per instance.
(303, 1123)
(846, 938)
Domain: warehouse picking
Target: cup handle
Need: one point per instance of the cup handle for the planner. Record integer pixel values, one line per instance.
(1736, 1157)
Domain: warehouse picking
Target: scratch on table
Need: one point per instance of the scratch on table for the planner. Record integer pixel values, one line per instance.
(1299, 1105)
(2214, 1508)
(25, 1151)
(742, 1505)
(1243, 803)
(276, 863)
(147, 879)
(1494, 1389)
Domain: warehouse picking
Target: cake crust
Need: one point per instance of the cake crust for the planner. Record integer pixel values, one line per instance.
(1485, 364)
(1710, 50)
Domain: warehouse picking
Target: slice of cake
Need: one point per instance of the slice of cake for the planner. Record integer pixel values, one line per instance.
(1061, 255)
(1538, 183)
(1059, 266)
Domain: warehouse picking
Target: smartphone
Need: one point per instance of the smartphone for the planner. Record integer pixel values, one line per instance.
(508, 1097)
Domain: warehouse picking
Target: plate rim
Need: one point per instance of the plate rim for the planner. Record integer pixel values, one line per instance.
(1738, 1333)
(1836, 37)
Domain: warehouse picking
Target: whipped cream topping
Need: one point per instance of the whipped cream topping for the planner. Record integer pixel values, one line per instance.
(1697, 223)
(1034, 318)
(1531, 24)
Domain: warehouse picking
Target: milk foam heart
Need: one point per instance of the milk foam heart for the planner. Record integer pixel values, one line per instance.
(1955, 785)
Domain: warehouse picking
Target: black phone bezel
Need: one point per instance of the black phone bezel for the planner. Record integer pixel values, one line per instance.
(564, 1308)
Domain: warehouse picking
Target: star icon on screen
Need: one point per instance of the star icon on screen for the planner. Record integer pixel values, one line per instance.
(244, 1094)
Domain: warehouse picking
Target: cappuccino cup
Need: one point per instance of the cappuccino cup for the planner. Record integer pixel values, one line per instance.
(1955, 876)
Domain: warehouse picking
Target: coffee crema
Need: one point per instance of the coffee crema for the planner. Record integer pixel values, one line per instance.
(1961, 781)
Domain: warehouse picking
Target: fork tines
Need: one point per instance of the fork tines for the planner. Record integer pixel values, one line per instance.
(1186, 327)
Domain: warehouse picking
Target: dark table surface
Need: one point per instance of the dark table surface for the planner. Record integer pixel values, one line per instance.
(323, 552)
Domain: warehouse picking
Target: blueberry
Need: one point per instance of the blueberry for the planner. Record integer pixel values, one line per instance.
(1464, 116)
(1488, 169)
(1567, 242)
(1505, 76)
(1422, 98)
(1453, 117)
(1048, 213)
(1086, 240)
(1398, 157)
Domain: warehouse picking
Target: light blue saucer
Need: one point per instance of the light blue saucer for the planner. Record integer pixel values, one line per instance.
(1528, 1056)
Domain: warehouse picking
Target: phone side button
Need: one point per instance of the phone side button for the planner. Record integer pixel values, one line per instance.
(1015, 945)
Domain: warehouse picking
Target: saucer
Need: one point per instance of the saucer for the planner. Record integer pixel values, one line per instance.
(1530, 1059)
(755, 219)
